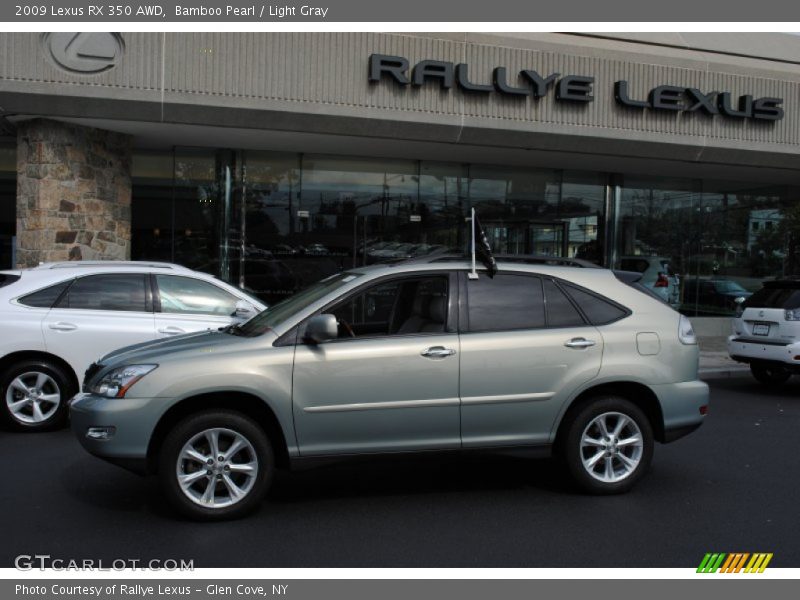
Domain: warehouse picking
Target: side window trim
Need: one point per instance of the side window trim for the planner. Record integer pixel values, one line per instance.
(292, 337)
(155, 292)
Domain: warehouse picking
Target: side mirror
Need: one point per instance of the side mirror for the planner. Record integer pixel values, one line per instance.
(244, 310)
(321, 328)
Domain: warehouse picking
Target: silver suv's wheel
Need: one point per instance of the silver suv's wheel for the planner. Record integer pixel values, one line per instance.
(216, 465)
(611, 447)
(608, 445)
(35, 395)
(217, 468)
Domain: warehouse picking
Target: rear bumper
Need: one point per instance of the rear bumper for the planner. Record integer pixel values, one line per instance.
(683, 407)
(748, 350)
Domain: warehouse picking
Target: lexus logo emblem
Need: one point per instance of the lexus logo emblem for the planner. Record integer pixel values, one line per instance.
(761, 313)
(84, 53)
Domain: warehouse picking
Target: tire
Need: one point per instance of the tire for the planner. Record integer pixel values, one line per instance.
(620, 476)
(771, 376)
(35, 395)
(214, 481)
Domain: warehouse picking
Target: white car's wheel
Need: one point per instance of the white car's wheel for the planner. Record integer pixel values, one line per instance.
(769, 375)
(35, 395)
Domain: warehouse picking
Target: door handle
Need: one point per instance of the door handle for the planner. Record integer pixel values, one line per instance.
(62, 326)
(171, 330)
(579, 343)
(438, 352)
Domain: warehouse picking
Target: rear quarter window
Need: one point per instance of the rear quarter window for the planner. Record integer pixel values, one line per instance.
(47, 297)
(598, 310)
(6, 279)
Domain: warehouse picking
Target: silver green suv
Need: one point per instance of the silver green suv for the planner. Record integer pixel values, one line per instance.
(583, 362)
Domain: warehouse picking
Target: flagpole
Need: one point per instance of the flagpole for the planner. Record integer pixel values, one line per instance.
(474, 273)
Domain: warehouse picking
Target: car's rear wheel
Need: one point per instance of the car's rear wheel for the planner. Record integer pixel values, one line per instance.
(770, 375)
(608, 445)
(216, 465)
(35, 395)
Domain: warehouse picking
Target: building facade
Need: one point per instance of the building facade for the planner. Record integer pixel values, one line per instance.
(275, 159)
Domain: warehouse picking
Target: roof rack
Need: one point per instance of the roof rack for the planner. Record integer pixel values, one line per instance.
(111, 263)
(531, 259)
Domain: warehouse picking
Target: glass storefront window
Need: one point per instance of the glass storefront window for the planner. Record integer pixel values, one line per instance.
(272, 265)
(152, 206)
(657, 233)
(276, 222)
(8, 204)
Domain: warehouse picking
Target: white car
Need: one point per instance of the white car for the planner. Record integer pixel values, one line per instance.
(57, 318)
(766, 332)
(656, 274)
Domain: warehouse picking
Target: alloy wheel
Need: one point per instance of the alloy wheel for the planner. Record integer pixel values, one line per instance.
(217, 468)
(611, 447)
(33, 397)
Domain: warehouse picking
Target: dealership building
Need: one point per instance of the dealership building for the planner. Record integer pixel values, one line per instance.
(274, 159)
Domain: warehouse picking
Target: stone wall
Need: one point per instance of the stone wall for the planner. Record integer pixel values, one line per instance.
(73, 193)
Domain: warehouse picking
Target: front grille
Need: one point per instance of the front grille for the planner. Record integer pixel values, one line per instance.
(93, 369)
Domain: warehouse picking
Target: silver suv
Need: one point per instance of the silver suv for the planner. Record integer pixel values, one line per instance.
(408, 357)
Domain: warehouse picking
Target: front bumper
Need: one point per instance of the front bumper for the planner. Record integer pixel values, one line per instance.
(133, 421)
(683, 406)
(749, 350)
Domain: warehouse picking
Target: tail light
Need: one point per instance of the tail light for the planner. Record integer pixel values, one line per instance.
(792, 315)
(662, 281)
(686, 332)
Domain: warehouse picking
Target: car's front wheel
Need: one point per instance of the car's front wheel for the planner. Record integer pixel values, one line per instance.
(216, 465)
(769, 375)
(35, 394)
(608, 445)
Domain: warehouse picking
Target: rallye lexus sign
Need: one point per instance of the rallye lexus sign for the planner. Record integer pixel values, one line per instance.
(572, 88)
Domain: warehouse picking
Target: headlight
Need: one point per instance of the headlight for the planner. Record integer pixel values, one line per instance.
(116, 383)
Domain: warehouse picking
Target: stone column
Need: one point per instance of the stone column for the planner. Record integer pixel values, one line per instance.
(73, 193)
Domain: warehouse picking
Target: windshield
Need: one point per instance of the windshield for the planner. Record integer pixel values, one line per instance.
(278, 313)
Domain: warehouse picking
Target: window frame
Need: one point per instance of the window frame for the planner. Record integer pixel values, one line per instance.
(292, 337)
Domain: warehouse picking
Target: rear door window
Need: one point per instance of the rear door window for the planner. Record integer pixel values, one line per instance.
(505, 303)
(115, 292)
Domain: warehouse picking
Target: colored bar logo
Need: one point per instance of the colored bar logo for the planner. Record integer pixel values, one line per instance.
(720, 562)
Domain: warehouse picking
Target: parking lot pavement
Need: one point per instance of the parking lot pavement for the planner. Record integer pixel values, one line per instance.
(730, 486)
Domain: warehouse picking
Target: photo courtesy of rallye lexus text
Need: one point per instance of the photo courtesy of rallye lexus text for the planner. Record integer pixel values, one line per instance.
(547, 354)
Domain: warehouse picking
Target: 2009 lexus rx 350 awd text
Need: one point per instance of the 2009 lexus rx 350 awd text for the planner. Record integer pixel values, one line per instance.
(413, 356)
